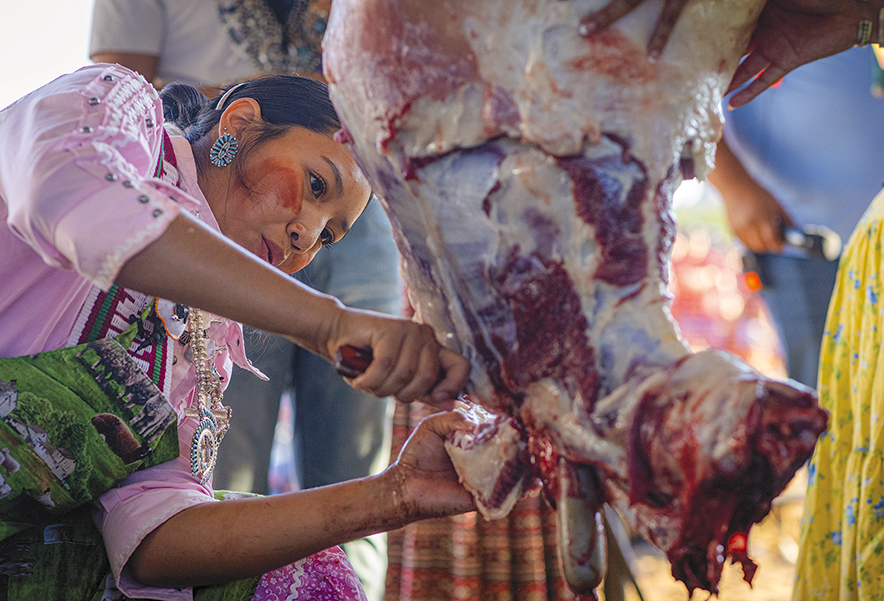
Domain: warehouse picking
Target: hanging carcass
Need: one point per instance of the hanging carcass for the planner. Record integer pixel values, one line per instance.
(528, 173)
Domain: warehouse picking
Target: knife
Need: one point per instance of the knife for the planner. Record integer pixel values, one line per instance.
(350, 361)
(816, 240)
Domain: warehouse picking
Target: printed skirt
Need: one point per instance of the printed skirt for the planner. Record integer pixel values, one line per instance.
(64, 559)
(842, 540)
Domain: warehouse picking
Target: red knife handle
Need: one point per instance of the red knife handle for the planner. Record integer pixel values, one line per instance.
(351, 361)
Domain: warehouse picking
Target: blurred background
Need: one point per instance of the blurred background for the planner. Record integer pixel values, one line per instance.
(40, 41)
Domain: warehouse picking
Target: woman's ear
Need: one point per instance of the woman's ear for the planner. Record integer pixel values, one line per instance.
(239, 115)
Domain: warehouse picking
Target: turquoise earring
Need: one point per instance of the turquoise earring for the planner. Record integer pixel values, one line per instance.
(223, 150)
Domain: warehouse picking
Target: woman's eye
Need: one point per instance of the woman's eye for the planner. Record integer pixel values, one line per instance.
(327, 237)
(317, 185)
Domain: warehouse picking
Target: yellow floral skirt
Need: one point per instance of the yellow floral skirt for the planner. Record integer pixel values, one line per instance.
(842, 531)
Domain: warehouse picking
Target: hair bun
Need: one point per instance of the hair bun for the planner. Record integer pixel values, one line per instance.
(182, 104)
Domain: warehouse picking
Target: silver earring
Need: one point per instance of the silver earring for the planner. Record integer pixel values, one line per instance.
(223, 150)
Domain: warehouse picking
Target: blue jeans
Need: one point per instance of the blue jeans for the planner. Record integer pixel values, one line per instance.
(339, 433)
(797, 292)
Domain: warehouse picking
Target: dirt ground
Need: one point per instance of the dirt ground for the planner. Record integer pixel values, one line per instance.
(773, 545)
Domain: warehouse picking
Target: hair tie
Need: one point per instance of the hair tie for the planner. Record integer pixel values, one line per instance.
(223, 98)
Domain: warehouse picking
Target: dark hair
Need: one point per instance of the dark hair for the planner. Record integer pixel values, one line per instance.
(285, 101)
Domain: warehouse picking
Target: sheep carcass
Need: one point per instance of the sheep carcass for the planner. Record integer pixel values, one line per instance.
(528, 173)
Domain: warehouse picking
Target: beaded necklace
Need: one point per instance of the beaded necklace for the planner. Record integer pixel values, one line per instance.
(213, 416)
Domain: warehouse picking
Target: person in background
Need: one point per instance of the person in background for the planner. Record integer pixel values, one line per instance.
(802, 154)
(340, 433)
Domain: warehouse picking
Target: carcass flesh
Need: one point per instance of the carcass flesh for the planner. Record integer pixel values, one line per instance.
(528, 174)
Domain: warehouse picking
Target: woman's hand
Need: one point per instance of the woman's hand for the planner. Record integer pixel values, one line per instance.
(791, 33)
(620, 8)
(430, 486)
(265, 533)
(407, 360)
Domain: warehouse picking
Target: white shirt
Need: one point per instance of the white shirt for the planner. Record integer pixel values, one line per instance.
(189, 37)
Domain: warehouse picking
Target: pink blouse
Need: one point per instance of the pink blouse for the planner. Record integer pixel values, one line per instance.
(79, 199)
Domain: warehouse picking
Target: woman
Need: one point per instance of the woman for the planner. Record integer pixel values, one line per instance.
(97, 193)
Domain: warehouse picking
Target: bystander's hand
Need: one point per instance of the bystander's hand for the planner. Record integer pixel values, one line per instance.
(619, 8)
(755, 216)
(789, 33)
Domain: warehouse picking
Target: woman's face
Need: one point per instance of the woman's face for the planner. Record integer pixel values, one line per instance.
(302, 191)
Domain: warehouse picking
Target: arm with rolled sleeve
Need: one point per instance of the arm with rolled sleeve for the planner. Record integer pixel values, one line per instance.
(73, 146)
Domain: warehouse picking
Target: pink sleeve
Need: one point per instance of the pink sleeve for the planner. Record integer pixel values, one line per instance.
(128, 513)
(76, 173)
(77, 167)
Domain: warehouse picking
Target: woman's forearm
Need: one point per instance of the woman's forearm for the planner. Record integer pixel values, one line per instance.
(220, 542)
(221, 277)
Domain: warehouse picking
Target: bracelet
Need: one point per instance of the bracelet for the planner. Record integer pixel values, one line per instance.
(864, 32)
